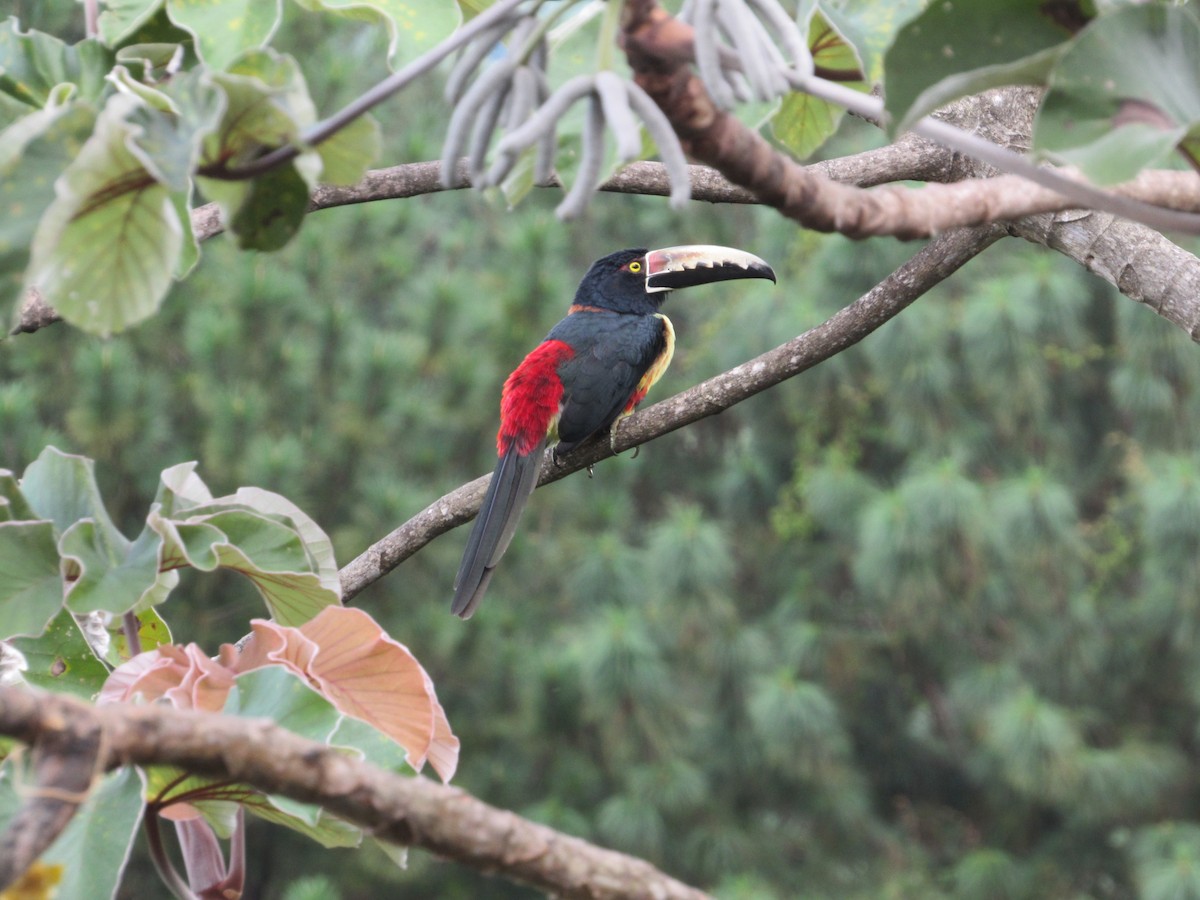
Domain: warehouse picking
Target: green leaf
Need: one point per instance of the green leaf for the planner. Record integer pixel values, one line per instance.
(152, 633)
(122, 18)
(279, 694)
(257, 533)
(96, 844)
(310, 821)
(34, 150)
(34, 66)
(1126, 94)
(31, 588)
(805, 122)
(62, 487)
(869, 28)
(272, 211)
(955, 49)
(61, 660)
(267, 104)
(224, 29)
(173, 127)
(414, 26)
(13, 506)
(106, 247)
(112, 577)
(346, 156)
(371, 744)
(317, 544)
(190, 253)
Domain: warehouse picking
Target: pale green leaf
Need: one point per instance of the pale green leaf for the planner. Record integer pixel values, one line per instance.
(112, 577)
(181, 489)
(31, 586)
(34, 67)
(121, 18)
(61, 660)
(224, 29)
(170, 139)
(62, 487)
(327, 830)
(317, 544)
(13, 506)
(281, 695)
(414, 26)
(804, 122)
(272, 210)
(34, 150)
(267, 104)
(189, 255)
(346, 156)
(270, 549)
(371, 744)
(1126, 94)
(96, 844)
(955, 49)
(869, 28)
(106, 247)
(152, 632)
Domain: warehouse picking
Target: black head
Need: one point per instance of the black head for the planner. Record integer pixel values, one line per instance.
(618, 282)
(637, 281)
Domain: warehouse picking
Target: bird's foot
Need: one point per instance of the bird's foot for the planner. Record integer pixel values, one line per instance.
(612, 437)
(591, 469)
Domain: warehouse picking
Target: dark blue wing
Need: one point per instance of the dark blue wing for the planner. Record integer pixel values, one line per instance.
(612, 353)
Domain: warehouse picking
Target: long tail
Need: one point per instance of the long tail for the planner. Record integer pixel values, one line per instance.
(513, 481)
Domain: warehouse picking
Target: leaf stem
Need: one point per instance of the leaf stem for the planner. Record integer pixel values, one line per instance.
(129, 624)
(158, 854)
(606, 49)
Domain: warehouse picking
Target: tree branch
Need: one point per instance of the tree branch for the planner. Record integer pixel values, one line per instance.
(910, 158)
(1141, 263)
(66, 758)
(410, 811)
(659, 47)
(932, 264)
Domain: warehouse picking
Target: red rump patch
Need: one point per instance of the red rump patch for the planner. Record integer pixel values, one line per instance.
(531, 397)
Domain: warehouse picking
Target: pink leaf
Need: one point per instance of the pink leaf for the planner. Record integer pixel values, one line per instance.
(365, 674)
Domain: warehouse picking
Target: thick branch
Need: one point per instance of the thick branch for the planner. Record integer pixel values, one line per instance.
(65, 760)
(656, 45)
(1141, 263)
(910, 158)
(935, 262)
(410, 811)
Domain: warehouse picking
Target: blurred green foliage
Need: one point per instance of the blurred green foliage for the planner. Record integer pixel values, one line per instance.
(920, 622)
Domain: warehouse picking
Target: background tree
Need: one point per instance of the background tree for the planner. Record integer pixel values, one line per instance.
(918, 623)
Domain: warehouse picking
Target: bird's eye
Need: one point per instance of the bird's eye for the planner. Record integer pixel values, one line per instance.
(635, 267)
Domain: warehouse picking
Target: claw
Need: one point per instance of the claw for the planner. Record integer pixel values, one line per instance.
(591, 469)
(612, 437)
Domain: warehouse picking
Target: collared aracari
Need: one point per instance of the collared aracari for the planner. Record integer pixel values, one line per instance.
(593, 369)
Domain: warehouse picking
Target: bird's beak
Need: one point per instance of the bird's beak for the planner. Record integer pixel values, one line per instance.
(681, 267)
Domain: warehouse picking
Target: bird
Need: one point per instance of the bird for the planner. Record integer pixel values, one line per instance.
(592, 369)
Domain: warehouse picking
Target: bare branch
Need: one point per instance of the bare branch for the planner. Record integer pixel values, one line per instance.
(411, 811)
(1141, 263)
(935, 262)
